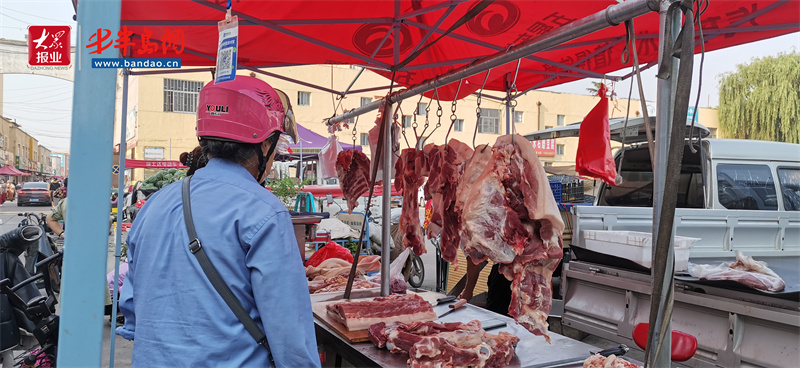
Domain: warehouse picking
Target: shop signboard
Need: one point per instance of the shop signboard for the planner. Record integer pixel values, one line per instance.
(154, 153)
(545, 147)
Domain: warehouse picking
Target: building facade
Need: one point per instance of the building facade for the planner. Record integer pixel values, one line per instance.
(23, 151)
(162, 107)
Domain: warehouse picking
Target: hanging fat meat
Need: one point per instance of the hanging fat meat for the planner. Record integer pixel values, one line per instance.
(446, 166)
(408, 179)
(352, 168)
(510, 217)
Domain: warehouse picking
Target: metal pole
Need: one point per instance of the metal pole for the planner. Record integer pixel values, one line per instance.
(81, 326)
(612, 16)
(664, 106)
(386, 211)
(123, 147)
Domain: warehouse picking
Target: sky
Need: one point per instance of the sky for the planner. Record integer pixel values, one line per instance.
(42, 105)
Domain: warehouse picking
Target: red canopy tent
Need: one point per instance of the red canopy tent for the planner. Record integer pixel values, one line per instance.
(12, 171)
(383, 35)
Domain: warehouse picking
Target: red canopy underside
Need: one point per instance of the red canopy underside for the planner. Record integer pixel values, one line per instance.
(273, 33)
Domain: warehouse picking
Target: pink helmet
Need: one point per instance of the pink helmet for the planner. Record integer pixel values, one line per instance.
(245, 109)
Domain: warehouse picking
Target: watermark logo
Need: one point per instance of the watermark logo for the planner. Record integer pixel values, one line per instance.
(100, 41)
(48, 47)
(172, 40)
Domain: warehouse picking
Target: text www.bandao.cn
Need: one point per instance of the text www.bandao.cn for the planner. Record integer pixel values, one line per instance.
(136, 63)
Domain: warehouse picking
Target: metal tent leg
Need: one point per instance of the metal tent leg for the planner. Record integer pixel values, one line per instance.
(81, 329)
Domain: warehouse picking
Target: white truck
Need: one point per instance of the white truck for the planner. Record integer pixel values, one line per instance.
(733, 195)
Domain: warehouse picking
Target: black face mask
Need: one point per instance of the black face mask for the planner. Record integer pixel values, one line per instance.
(263, 159)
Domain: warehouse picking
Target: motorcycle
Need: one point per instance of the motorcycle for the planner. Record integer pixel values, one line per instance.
(47, 245)
(30, 310)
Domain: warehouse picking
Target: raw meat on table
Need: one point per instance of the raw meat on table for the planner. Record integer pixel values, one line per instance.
(509, 215)
(745, 270)
(338, 283)
(352, 168)
(445, 167)
(360, 314)
(408, 179)
(431, 344)
(612, 361)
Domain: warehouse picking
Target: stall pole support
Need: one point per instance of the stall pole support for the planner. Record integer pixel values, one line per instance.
(386, 210)
(123, 147)
(664, 112)
(81, 326)
(612, 16)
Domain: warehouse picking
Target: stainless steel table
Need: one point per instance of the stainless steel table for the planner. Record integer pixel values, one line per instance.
(532, 351)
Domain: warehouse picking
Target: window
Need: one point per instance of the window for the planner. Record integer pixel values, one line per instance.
(746, 187)
(517, 117)
(559, 120)
(421, 107)
(406, 121)
(181, 95)
(365, 101)
(548, 127)
(790, 187)
(303, 98)
(458, 125)
(560, 149)
(712, 132)
(364, 139)
(489, 122)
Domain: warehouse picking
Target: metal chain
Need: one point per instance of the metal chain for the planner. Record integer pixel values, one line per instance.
(478, 108)
(402, 124)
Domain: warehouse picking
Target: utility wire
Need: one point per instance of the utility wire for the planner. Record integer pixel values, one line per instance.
(36, 16)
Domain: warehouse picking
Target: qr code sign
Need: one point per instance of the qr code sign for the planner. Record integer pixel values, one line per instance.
(225, 62)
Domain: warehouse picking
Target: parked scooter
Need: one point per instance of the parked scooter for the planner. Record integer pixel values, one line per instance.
(23, 306)
(47, 245)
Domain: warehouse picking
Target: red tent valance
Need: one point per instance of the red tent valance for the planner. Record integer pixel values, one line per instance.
(11, 170)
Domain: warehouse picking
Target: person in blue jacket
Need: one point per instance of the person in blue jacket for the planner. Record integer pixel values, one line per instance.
(172, 312)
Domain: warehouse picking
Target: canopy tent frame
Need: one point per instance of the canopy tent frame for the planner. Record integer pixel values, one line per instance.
(81, 345)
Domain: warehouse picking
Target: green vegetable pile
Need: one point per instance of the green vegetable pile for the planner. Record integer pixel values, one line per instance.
(163, 178)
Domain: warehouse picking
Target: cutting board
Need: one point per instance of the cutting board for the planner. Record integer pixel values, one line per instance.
(321, 313)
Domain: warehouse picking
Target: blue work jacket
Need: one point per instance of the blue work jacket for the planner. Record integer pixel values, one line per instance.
(172, 311)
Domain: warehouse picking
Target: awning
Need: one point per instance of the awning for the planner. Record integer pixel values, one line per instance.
(383, 35)
(12, 171)
(312, 144)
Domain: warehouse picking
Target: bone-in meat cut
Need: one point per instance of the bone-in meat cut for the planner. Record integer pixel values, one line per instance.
(509, 215)
(445, 167)
(408, 179)
(352, 167)
(360, 314)
(430, 344)
(612, 361)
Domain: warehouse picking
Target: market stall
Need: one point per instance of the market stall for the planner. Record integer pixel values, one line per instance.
(527, 62)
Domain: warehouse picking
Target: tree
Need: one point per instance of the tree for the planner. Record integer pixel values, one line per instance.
(595, 88)
(761, 100)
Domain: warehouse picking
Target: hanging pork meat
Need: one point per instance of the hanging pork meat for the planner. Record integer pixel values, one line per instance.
(408, 179)
(509, 216)
(352, 167)
(445, 165)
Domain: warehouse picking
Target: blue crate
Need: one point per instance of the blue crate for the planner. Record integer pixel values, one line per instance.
(555, 186)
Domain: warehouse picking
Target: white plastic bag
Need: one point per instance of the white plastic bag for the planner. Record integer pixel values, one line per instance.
(374, 136)
(397, 284)
(327, 158)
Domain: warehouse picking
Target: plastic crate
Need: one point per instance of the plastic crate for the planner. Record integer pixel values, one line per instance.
(555, 186)
(572, 192)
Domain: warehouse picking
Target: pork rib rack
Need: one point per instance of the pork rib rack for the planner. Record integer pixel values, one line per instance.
(408, 178)
(509, 215)
(352, 168)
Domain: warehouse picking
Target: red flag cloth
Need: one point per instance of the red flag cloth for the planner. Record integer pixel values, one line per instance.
(594, 144)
